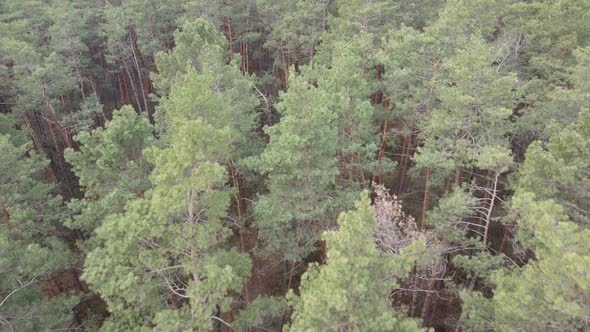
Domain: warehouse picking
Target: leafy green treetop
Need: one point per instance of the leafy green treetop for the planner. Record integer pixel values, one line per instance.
(351, 291)
(31, 241)
(551, 291)
(111, 168)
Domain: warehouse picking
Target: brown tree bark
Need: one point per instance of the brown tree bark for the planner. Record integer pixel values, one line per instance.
(236, 185)
(426, 200)
(383, 145)
(427, 307)
(6, 214)
(507, 234)
(138, 68)
(285, 69)
(458, 176)
(406, 152)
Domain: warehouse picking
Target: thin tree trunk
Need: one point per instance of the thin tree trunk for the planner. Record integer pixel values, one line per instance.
(135, 52)
(383, 144)
(236, 185)
(362, 177)
(81, 81)
(53, 124)
(9, 88)
(488, 215)
(36, 141)
(119, 80)
(413, 306)
(402, 170)
(471, 286)
(507, 234)
(406, 155)
(229, 34)
(458, 176)
(427, 307)
(285, 69)
(350, 171)
(133, 86)
(426, 199)
(37, 144)
(448, 185)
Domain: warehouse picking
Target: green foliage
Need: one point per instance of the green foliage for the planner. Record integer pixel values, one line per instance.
(295, 27)
(31, 241)
(319, 152)
(300, 160)
(448, 218)
(466, 84)
(559, 171)
(548, 293)
(111, 169)
(169, 246)
(350, 292)
(474, 108)
(262, 309)
(200, 51)
(551, 291)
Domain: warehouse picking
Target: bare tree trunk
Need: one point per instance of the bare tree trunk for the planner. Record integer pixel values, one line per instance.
(135, 52)
(236, 185)
(133, 86)
(229, 34)
(458, 176)
(488, 213)
(438, 271)
(405, 160)
(53, 123)
(37, 144)
(507, 233)
(285, 69)
(413, 306)
(426, 199)
(81, 81)
(381, 152)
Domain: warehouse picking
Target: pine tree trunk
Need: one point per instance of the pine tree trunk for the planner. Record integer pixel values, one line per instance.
(458, 176)
(135, 52)
(383, 144)
(285, 69)
(507, 234)
(426, 199)
(133, 86)
(402, 169)
(236, 185)
(6, 214)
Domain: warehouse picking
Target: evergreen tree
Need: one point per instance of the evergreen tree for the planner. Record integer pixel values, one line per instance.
(550, 291)
(174, 237)
(350, 292)
(111, 168)
(33, 242)
(300, 160)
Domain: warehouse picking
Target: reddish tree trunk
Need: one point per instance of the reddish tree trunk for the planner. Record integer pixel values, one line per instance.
(426, 199)
(236, 185)
(6, 214)
(507, 234)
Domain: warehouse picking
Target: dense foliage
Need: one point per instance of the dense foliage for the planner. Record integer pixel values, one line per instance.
(309, 165)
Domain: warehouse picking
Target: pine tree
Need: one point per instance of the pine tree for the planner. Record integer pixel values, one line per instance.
(175, 237)
(350, 292)
(550, 291)
(111, 168)
(32, 240)
(300, 160)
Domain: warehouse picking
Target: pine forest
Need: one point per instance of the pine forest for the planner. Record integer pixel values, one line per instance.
(294, 165)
